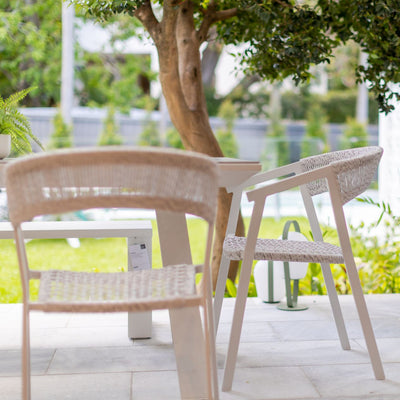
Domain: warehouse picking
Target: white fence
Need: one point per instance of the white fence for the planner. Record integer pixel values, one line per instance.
(250, 133)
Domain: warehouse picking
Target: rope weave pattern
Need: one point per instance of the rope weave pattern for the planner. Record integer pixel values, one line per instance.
(138, 178)
(144, 178)
(133, 290)
(284, 250)
(354, 168)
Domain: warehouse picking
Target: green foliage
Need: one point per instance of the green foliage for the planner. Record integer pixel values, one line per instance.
(213, 102)
(62, 133)
(15, 124)
(30, 42)
(315, 140)
(354, 135)
(337, 105)
(150, 135)
(276, 151)
(173, 139)
(110, 134)
(116, 79)
(225, 136)
(379, 256)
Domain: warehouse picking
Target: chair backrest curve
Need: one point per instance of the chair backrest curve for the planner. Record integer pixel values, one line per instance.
(355, 169)
(149, 178)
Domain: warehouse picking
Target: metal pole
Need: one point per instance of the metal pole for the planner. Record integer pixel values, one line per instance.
(67, 69)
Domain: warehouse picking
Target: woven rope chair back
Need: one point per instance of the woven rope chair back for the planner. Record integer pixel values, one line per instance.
(65, 181)
(354, 168)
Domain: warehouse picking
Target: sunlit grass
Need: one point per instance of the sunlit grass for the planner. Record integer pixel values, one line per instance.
(101, 255)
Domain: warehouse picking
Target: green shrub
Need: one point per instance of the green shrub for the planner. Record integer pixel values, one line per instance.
(315, 139)
(379, 257)
(225, 136)
(173, 139)
(62, 133)
(276, 152)
(110, 134)
(150, 135)
(354, 135)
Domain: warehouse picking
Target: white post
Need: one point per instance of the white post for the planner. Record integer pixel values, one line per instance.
(389, 169)
(67, 71)
(362, 95)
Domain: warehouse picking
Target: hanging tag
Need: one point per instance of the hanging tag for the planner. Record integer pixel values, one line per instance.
(139, 257)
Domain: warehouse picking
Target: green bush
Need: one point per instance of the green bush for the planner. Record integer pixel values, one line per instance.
(173, 139)
(354, 135)
(110, 134)
(276, 152)
(225, 136)
(62, 133)
(379, 257)
(150, 135)
(315, 140)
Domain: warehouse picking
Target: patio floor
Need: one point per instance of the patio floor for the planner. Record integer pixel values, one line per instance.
(283, 355)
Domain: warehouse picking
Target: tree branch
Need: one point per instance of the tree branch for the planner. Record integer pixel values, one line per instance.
(211, 16)
(146, 16)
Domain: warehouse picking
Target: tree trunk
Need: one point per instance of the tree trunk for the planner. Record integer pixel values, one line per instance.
(178, 47)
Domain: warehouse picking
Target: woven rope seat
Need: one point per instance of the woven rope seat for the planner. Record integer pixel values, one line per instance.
(284, 250)
(144, 290)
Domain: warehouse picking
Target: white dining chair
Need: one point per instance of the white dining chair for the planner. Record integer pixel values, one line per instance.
(344, 174)
(144, 178)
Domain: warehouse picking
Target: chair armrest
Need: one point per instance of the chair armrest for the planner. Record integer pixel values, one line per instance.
(289, 183)
(267, 176)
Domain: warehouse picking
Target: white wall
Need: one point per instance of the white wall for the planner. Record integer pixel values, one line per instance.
(389, 171)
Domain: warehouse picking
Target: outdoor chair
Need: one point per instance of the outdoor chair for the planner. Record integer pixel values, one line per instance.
(143, 178)
(344, 174)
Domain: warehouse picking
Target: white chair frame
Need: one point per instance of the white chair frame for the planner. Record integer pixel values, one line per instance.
(301, 178)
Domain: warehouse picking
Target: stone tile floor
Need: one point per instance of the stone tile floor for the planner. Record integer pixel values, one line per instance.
(283, 355)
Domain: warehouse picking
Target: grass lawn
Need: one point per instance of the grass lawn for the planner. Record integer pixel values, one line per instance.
(103, 255)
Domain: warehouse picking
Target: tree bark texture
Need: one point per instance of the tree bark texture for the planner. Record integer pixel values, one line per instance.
(178, 45)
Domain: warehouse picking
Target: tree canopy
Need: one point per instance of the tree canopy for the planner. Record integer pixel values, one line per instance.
(284, 37)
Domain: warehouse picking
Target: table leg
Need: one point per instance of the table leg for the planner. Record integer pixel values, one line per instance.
(186, 323)
(139, 323)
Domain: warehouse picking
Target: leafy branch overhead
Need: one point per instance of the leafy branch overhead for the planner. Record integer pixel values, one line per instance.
(284, 37)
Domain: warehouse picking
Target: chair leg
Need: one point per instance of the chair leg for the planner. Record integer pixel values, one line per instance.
(364, 317)
(26, 358)
(355, 283)
(335, 305)
(236, 329)
(211, 357)
(220, 290)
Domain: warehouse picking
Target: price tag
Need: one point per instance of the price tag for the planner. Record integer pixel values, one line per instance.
(139, 257)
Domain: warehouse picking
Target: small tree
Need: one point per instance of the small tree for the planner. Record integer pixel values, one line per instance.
(315, 140)
(355, 135)
(225, 136)
(276, 151)
(62, 133)
(110, 134)
(150, 135)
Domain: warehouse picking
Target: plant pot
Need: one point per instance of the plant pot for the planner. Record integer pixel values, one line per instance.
(5, 146)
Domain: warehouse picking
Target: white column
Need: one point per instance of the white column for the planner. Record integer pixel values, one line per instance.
(67, 70)
(362, 95)
(389, 170)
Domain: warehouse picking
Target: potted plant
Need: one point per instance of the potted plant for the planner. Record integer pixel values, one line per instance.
(15, 129)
